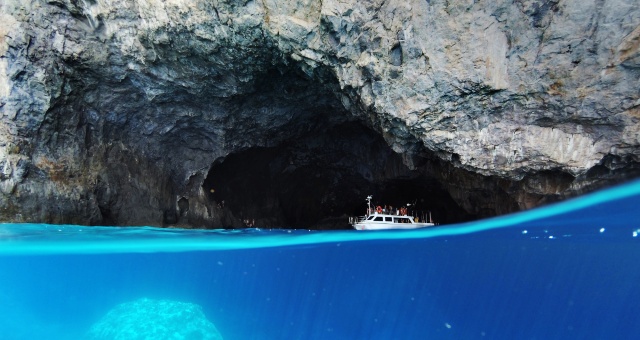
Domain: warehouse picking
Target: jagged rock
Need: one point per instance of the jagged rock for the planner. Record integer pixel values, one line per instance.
(154, 319)
(112, 111)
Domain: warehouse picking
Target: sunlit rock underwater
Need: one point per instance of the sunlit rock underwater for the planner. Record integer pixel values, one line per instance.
(154, 319)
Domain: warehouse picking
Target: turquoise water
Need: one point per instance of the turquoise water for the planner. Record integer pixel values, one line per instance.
(567, 271)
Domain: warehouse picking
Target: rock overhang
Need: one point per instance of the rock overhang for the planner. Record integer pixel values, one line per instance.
(500, 90)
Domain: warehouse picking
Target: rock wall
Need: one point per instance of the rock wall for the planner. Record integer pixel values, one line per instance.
(113, 110)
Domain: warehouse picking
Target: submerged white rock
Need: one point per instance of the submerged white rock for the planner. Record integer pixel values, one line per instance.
(154, 319)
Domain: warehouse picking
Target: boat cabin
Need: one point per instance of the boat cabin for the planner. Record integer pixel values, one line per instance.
(389, 218)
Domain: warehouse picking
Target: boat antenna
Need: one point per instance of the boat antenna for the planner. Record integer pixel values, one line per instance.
(369, 203)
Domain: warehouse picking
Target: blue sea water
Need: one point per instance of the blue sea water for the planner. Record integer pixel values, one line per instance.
(566, 271)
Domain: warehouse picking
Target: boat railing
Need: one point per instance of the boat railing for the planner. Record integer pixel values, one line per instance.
(356, 219)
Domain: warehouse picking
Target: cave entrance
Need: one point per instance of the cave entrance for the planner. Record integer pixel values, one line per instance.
(319, 180)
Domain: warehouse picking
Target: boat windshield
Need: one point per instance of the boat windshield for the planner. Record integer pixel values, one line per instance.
(370, 217)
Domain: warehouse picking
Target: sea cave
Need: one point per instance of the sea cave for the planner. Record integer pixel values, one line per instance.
(236, 114)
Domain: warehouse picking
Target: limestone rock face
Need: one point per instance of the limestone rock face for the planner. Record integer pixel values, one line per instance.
(113, 111)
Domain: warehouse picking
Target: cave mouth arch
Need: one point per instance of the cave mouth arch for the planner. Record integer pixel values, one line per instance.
(319, 180)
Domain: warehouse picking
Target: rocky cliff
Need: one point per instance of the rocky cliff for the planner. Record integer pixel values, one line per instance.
(159, 112)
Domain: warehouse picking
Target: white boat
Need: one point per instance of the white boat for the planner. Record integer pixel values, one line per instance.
(378, 221)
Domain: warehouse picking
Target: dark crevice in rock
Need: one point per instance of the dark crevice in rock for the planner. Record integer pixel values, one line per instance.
(183, 206)
(610, 170)
(396, 55)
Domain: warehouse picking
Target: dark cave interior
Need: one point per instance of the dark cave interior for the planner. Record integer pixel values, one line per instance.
(319, 180)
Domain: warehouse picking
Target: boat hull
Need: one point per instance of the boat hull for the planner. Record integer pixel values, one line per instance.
(384, 226)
